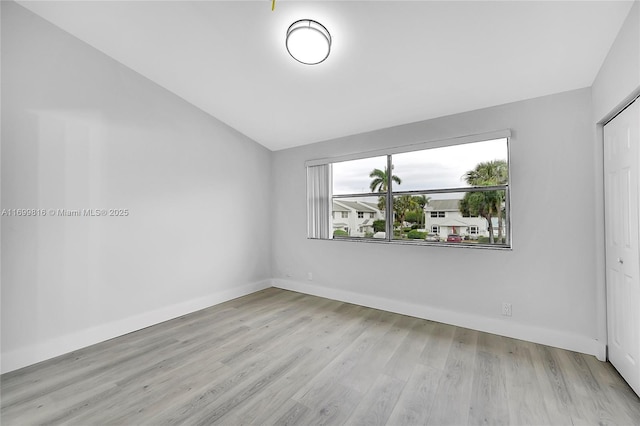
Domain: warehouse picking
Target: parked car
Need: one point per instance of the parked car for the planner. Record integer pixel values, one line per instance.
(454, 238)
(431, 236)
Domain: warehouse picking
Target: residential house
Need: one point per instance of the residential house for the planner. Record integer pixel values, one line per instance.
(355, 217)
(443, 217)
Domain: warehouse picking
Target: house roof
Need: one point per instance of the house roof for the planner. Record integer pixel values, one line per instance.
(374, 206)
(357, 206)
(443, 205)
(339, 208)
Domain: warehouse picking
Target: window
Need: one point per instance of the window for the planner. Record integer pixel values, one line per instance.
(345, 215)
(459, 186)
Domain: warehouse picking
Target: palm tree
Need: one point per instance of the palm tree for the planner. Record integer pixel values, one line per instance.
(478, 204)
(487, 174)
(487, 204)
(422, 201)
(379, 183)
(380, 180)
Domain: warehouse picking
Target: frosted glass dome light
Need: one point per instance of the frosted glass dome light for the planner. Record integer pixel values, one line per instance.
(308, 42)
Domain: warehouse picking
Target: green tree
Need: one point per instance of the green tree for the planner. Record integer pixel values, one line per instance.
(421, 202)
(414, 234)
(379, 183)
(489, 203)
(379, 225)
(414, 216)
(402, 205)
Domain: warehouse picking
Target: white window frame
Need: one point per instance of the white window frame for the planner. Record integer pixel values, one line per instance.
(502, 134)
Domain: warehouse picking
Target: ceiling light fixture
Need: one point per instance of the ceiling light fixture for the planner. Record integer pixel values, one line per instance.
(308, 42)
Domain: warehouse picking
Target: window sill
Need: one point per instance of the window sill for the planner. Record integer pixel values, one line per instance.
(476, 246)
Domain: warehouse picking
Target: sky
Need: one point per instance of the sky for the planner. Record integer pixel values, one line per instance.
(434, 168)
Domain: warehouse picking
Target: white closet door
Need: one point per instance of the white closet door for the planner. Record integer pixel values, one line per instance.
(621, 160)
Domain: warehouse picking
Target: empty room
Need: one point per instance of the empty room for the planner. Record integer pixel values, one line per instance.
(332, 212)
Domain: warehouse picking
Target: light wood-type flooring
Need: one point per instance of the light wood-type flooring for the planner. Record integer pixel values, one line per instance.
(279, 357)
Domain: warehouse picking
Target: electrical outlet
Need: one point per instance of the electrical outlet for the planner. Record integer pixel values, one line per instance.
(310, 276)
(506, 309)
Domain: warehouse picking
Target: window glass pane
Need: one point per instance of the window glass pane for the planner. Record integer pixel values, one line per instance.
(360, 176)
(359, 217)
(448, 167)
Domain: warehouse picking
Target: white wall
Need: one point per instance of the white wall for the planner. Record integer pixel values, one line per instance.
(79, 130)
(619, 76)
(548, 277)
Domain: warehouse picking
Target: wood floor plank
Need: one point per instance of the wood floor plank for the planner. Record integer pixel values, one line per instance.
(207, 396)
(436, 350)
(525, 397)
(291, 416)
(166, 375)
(453, 394)
(282, 333)
(624, 402)
(98, 367)
(62, 403)
(333, 406)
(346, 361)
(154, 395)
(489, 402)
(378, 403)
(555, 398)
(415, 402)
(280, 357)
(590, 400)
(331, 342)
(409, 351)
(232, 399)
(373, 361)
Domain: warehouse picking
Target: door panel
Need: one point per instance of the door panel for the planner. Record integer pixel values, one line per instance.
(621, 149)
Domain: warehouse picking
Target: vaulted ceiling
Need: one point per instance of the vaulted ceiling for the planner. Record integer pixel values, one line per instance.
(392, 62)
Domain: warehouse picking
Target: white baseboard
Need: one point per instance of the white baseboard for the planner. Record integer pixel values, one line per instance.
(51, 348)
(507, 328)
(44, 350)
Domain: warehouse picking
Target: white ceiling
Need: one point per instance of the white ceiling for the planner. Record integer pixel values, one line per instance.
(392, 62)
